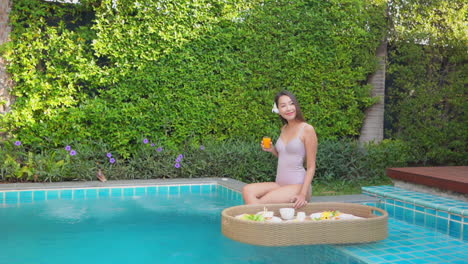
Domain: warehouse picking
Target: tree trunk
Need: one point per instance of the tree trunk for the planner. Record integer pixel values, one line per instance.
(373, 127)
(6, 84)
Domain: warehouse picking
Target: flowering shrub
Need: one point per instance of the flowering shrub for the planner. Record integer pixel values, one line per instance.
(245, 161)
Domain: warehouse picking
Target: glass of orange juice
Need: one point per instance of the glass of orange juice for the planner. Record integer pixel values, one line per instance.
(266, 142)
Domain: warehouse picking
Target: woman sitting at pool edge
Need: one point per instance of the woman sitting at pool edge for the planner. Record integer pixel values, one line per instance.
(297, 142)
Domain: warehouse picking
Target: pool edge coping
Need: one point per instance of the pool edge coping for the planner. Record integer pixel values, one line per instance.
(226, 182)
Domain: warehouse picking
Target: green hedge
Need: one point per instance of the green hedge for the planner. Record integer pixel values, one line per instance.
(345, 161)
(427, 80)
(186, 71)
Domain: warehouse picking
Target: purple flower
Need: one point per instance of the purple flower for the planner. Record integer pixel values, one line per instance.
(112, 160)
(109, 155)
(180, 156)
(152, 144)
(68, 148)
(72, 152)
(159, 149)
(202, 147)
(145, 141)
(177, 165)
(18, 143)
(178, 160)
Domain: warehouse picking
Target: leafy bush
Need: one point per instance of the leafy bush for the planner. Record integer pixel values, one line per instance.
(427, 80)
(182, 71)
(345, 161)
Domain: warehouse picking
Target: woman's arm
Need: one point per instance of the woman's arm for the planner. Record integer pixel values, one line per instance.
(311, 145)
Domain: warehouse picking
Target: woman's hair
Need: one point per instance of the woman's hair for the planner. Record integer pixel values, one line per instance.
(299, 115)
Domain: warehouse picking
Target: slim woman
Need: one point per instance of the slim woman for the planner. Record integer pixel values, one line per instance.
(296, 145)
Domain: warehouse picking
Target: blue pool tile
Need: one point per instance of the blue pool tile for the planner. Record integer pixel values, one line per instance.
(206, 188)
(185, 189)
(408, 215)
(430, 221)
(196, 188)
(52, 194)
(390, 209)
(128, 191)
(91, 193)
(399, 213)
(465, 232)
(409, 205)
(79, 194)
(39, 195)
(11, 197)
(455, 229)
(163, 189)
(66, 194)
(174, 190)
(442, 213)
(151, 190)
(419, 218)
(26, 195)
(455, 217)
(442, 224)
(116, 192)
(390, 257)
(419, 208)
(140, 191)
(104, 192)
(430, 211)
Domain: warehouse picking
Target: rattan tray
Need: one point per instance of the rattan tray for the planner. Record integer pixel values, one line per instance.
(372, 227)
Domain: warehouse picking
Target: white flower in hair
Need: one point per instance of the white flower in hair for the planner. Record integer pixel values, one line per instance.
(275, 109)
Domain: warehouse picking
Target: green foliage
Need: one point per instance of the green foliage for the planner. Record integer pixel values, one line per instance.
(337, 161)
(428, 80)
(186, 71)
(348, 161)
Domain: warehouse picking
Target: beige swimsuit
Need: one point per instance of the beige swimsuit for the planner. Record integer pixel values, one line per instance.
(291, 160)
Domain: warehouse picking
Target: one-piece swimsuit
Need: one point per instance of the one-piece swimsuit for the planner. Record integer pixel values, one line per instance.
(291, 160)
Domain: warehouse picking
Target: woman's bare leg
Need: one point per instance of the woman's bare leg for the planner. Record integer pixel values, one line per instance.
(282, 194)
(254, 191)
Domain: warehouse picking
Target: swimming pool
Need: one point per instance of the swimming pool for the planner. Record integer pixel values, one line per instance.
(148, 224)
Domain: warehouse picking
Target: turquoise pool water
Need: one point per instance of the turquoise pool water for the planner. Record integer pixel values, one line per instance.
(165, 224)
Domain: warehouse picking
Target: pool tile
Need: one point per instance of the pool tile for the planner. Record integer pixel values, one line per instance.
(174, 190)
(206, 188)
(455, 217)
(442, 224)
(116, 192)
(91, 193)
(151, 190)
(52, 194)
(66, 194)
(140, 191)
(79, 194)
(455, 229)
(195, 188)
(129, 191)
(104, 192)
(185, 189)
(39, 195)
(163, 189)
(12, 197)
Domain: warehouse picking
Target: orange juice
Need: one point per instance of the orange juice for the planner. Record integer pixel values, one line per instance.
(266, 142)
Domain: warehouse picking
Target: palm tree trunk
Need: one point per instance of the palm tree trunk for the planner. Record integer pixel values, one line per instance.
(373, 127)
(5, 81)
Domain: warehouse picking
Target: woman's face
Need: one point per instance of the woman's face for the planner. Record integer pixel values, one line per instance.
(287, 108)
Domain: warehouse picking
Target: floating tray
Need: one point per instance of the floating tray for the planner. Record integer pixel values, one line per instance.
(373, 226)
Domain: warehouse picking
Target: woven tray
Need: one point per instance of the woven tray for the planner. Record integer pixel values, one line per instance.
(372, 228)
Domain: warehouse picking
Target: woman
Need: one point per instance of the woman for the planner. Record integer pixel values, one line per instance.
(297, 143)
